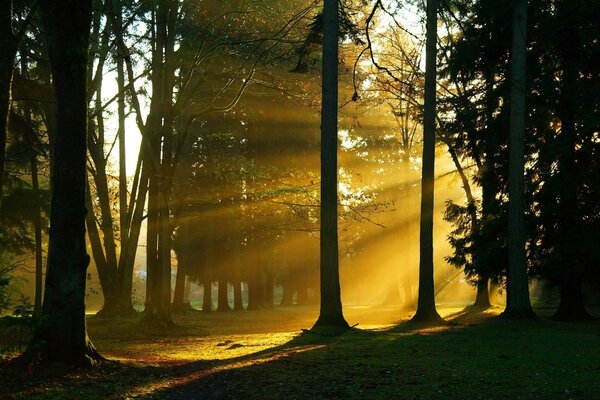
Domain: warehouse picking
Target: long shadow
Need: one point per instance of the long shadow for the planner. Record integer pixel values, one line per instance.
(301, 351)
(215, 383)
(129, 377)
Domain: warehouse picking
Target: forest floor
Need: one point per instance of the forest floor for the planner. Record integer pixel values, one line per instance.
(266, 355)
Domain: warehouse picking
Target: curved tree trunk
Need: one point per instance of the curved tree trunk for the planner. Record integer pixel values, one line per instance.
(426, 311)
(61, 335)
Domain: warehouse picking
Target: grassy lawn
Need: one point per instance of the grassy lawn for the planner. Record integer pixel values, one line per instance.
(264, 355)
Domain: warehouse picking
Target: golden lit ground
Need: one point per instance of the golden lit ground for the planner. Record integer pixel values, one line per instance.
(260, 355)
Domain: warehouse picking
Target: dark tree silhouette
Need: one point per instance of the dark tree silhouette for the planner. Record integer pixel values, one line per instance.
(61, 335)
(517, 291)
(426, 311)
(8, 50)
(331, 303)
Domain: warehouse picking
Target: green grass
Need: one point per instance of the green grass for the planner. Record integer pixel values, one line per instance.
(262, 355)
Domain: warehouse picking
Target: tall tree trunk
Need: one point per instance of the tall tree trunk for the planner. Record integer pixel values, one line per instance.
(61, 335)
(426, 311)
(37, 227)
(123, 220)
(331, 304)
(8, 50)
(517, 291)
(569, 215)
(129, 247)
(96, 143)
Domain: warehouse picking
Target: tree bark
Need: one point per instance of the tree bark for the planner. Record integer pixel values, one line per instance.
(238, 303)
(61, 335)
(8, 51)
(517, 291)
(482, 299)
(223, 302)
(426, 311)
(330, 313)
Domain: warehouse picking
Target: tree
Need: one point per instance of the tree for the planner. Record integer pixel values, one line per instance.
(566, 230)
(517, 291)
(475, 50)
(426, 311)
(331, 305)
(61, 335)
(8, 50)
(9, 43)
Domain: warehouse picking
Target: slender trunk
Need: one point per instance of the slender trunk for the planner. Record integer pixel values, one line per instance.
(152, 272)
(569, 216)
(187, 287)
(485, 263)
(426, 311)
(123, 220)
(8, 51)
(61, 335)
(96, 149)
(238, 303)
(129, 248)
(106, 276)
(32, 141)
(180, 283)
(37, 227)
(207, 295)
(330, 313)
(517, 292)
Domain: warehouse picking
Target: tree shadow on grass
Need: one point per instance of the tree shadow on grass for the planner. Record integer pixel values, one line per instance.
(119, 379)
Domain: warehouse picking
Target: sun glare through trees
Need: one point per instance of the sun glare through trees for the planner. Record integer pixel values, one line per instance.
(306, 199)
